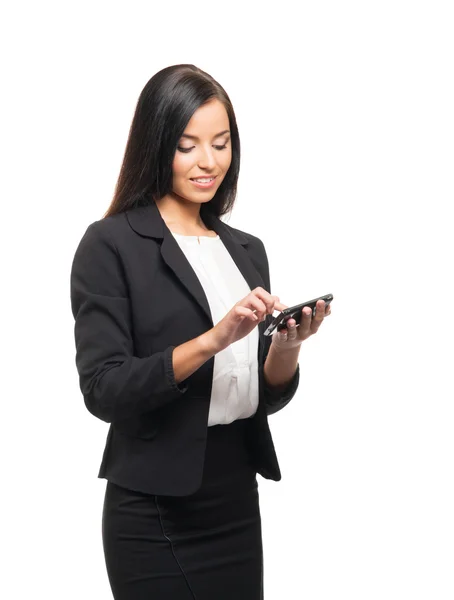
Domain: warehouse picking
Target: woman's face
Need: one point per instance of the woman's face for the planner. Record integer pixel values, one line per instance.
(204, 151)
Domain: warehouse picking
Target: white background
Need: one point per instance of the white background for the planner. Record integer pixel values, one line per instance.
(345, 112)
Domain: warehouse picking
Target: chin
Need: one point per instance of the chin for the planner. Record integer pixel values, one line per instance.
(197, 199)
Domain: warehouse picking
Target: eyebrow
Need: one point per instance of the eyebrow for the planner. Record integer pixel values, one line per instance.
(194, 137)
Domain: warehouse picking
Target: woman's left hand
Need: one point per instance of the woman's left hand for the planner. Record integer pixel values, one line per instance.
(292, 336)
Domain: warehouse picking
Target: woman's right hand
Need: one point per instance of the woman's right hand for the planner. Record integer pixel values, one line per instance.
(243, 317)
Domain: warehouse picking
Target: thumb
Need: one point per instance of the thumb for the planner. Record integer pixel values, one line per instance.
(241, 312)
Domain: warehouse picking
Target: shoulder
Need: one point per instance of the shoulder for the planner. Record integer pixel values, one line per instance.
(100, 241)
(104, 238)
(97, 265)
(107, 228)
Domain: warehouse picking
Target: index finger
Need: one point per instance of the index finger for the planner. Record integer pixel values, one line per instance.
(280, 306)
(271, 301)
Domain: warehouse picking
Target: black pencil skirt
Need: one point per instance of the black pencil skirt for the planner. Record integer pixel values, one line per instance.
(206, 546)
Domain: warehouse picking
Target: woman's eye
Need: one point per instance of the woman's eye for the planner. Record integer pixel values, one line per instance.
(186, 150)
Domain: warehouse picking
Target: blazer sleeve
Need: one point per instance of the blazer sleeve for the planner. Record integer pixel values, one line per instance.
(116, 385)
(274, 400)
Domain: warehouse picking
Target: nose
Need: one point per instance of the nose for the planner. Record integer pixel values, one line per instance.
(206, 159)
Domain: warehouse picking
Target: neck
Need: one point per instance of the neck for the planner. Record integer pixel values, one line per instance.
(179, 212)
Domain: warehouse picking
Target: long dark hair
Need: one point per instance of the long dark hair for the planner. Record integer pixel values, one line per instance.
(165, 105)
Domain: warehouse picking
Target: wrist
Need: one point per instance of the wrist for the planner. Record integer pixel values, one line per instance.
(284, 348)
(208, 343)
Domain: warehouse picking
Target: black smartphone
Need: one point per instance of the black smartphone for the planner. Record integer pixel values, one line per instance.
(295, 313)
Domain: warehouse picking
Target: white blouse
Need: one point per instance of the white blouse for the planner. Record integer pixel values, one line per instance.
(235, 391)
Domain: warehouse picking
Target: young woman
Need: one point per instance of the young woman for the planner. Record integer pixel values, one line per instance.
(170, 305)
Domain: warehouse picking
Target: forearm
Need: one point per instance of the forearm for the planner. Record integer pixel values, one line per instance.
(190, 356)
(137, 385)
(280, 367)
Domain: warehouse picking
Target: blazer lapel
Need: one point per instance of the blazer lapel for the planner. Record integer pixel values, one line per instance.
(147, 221)
(236, 244)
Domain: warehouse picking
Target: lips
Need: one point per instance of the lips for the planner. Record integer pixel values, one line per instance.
(204, 185)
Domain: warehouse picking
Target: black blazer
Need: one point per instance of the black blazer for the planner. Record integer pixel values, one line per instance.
(134, 297)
